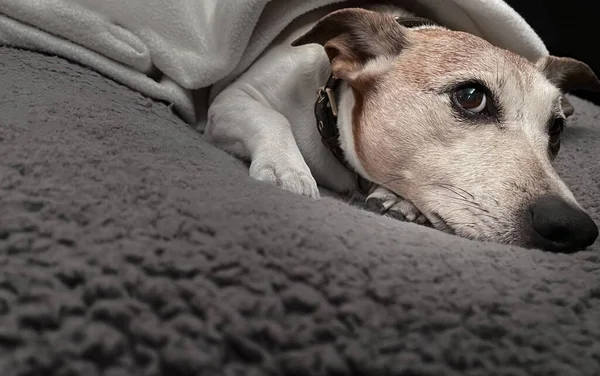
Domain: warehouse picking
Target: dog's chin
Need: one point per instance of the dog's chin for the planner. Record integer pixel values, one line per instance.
(437, 222)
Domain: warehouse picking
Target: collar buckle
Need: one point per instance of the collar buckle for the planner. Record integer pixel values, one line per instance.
(321, 94)
(332, 102)
(327, 92)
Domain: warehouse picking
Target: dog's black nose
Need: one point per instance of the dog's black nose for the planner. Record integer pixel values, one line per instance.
(561, 227)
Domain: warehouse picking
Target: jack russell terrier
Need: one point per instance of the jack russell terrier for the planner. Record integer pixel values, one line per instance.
(447, 129)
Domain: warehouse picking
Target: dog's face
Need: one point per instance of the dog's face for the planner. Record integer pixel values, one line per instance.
(464, 130)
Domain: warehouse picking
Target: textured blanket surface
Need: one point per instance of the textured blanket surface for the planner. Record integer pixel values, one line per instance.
(128, 246)
(172, 50)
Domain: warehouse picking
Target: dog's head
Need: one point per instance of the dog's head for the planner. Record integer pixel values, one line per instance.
(463, 129)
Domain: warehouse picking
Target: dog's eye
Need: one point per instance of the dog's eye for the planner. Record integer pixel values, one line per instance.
(471, 98)
(554, 132)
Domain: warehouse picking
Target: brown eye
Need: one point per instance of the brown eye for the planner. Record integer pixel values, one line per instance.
(471, 98)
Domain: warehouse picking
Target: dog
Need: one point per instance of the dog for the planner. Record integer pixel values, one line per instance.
(447, 129)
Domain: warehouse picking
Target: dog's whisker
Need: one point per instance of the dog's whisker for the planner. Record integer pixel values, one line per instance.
(475, 214)
(463, 190)
(391, 181)
(457, 210)
(486, 215)
(472, 224)
(456, 193)
(451, 188)
(468, 202)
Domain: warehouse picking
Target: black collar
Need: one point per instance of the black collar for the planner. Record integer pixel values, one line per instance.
(326, 110)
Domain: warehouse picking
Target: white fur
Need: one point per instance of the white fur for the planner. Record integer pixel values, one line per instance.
(283, 84)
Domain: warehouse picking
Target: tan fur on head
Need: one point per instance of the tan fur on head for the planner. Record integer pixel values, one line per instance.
(476, 175)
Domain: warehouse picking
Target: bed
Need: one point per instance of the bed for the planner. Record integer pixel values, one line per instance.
(129, 246)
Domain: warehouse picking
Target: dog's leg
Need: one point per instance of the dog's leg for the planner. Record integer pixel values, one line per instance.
(382, 200)
(248, 128)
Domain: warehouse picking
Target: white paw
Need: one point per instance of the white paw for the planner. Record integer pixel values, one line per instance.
(382, 200)
(293, 179)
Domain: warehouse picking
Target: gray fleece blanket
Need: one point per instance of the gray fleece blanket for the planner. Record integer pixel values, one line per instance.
(129, 246)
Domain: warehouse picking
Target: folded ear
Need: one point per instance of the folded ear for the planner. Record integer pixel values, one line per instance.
(567, 107)
(568, 74)
(352, 37)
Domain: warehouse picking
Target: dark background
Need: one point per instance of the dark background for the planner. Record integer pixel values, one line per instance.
(568, 27)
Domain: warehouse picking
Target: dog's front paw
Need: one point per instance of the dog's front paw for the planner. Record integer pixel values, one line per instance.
(290, 178)
(382, 200)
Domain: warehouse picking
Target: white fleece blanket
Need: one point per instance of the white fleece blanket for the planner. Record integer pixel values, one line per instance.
(174, 50)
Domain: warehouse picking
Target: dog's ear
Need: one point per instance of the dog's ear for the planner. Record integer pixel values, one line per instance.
(568, 74)
(567, 107)
(353, 36)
